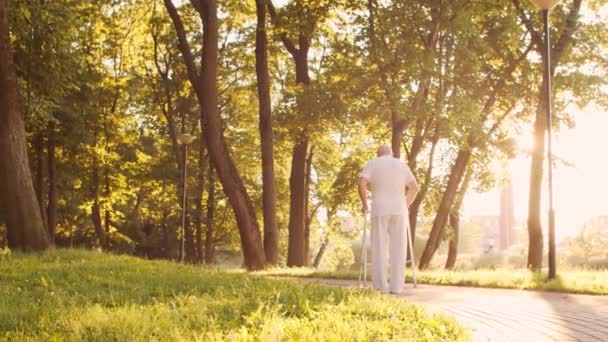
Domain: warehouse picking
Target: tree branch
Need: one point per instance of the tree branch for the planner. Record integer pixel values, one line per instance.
(276, 21)
(565, 38)
(184, 46)
(536, 37)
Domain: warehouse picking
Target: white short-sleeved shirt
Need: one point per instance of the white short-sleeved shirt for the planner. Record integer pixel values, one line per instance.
(387, 176)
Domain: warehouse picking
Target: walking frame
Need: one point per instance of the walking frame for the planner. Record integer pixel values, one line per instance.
(363, 265)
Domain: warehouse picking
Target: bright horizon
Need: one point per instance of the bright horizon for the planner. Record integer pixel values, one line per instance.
(579, 190)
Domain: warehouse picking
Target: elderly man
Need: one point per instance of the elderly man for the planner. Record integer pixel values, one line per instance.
(393, 189)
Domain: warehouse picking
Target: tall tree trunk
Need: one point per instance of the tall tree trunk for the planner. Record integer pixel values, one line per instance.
(25, 228)
(454, 219)
(200, 188)
(165, 237)
(424, 189)
(52, 174)
(296, 254)
(39, 174)
(205, 86)
(107, 221)
(95, 208)
(453, 246)
(535, 231)
(297, 180)
(189, 247)
(307, 212)
(297, 207)
(271, 232)
(455, 178)
(209, 243)
(397, 127)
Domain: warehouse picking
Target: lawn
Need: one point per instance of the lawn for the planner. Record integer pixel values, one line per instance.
(83, 295)
(571, 281)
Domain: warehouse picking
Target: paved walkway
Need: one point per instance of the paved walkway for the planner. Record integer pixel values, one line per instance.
(512, 315)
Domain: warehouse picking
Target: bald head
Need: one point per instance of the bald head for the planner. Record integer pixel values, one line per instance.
(384, 150)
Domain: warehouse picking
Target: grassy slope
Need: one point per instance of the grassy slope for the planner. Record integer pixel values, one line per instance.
(571, 281)
(80, 295)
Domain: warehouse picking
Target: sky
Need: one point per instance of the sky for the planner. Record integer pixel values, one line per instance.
(580, 190)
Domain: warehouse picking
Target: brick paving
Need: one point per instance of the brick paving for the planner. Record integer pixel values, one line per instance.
(512, 315)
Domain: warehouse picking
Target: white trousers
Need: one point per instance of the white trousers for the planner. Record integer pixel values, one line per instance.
(389, 237)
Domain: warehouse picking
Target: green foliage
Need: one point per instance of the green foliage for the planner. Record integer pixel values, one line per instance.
(587, 247)
(568, 280)
(78, 295)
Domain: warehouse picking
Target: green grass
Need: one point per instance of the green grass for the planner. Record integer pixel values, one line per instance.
(571, 281)
(79, 295)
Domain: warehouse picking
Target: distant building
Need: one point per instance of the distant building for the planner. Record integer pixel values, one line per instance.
(498, 231)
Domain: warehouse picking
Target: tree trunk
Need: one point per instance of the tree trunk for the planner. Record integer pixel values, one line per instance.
(96, 218)
(297, 180)
(397, 127)
(320, 253)
(205, 87)
(271, 232)
(297, 208)
(25, 228)
(424, 189)
(307, 212)
(95, 208)
(189, 247)
(535, 232)
(165, 232)
(39, 179)
(52, 173)
(453, 247)
(455, 218)
(296, 255)
(200, 188)
(107, 222)
(209, 245)
(455, 178)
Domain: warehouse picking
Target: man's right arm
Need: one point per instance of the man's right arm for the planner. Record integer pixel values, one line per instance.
(411, 186)
(363, 194)
(411, 189)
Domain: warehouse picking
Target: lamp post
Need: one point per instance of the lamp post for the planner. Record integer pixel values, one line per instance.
(546, 6)
(184, 139)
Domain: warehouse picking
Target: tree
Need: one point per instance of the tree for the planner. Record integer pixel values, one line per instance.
(296, 254)
(477, 105)
(26, 230)
(205, 87)
(271, 233)
(560, 47)
(454, 221)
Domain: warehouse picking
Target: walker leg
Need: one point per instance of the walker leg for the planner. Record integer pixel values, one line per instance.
(410, 247)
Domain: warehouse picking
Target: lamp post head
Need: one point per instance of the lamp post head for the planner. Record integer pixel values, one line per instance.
(545, 4)
(184, 139)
